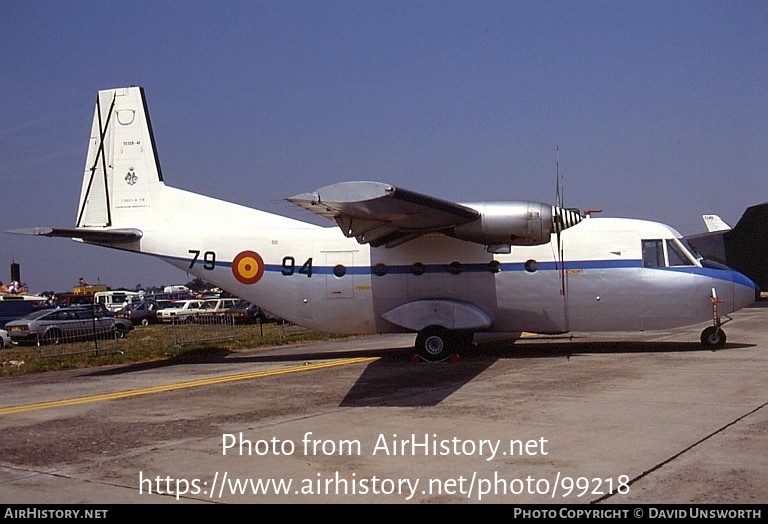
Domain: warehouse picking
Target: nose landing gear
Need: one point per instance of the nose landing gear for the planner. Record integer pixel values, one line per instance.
(713, 337)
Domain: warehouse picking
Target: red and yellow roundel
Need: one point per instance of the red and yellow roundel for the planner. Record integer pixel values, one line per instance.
(248, 267)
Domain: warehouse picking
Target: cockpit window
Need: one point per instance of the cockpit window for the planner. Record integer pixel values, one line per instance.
(677, 255)
(653, 253)
(689, 248)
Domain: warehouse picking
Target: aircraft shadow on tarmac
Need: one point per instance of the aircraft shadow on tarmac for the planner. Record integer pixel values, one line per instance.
(428, 384)
(395, 378)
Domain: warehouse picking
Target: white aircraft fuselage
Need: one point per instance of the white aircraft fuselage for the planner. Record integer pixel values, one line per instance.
(398, 261)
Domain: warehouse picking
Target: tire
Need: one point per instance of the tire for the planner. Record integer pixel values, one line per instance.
(119, 331)
(433, 344)
(53, 337)
(713, 337)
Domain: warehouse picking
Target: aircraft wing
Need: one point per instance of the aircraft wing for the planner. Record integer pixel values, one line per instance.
(382, 214)
(106, 236)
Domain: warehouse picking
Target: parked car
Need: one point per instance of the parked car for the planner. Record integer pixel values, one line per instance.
(5, 339)
(244, 312)
(143, 312)
(214, 309)
(180, 311)
(54, 326)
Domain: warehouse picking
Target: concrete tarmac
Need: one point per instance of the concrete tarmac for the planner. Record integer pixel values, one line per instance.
(609, 418)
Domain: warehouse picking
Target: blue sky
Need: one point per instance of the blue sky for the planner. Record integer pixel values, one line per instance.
(659, 109)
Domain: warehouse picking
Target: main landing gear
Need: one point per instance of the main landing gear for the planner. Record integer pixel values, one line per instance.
(436, 343)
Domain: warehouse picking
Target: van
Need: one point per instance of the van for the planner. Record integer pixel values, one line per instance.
(14, 307)
(114, 300)
(176, 289)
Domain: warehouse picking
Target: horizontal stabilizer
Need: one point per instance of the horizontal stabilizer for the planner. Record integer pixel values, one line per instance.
(715, 223)
(102, 236)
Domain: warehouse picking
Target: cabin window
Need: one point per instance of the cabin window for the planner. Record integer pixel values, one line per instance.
(493, 266)
(653, 253)
(380, 269)
(531, 266)
(676, 255)
(418, 268)
(339, 270)
(454, 268)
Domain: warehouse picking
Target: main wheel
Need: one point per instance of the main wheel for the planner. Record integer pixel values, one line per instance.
(713, 337)
(434, 343)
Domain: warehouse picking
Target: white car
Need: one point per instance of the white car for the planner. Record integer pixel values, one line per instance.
(214, 309)
(180, 311)
(5, 339)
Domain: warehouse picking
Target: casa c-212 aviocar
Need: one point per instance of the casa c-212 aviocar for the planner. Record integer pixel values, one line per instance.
(398, 261)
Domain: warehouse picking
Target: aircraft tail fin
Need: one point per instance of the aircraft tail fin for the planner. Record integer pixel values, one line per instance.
(715, 223)
(122, 179)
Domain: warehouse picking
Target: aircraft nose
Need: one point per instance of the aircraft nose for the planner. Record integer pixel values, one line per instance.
(745, 292)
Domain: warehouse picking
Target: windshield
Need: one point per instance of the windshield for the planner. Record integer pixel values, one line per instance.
(688, 247)
(677, 255)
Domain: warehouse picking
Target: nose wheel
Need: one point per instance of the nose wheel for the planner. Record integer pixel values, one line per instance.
(713, 337)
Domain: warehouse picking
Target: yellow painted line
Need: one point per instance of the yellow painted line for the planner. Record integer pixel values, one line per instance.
(180, 385)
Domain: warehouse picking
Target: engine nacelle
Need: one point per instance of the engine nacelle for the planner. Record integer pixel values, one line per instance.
(519, 223)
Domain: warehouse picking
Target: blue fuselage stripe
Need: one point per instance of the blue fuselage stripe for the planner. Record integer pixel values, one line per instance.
(720, 274)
